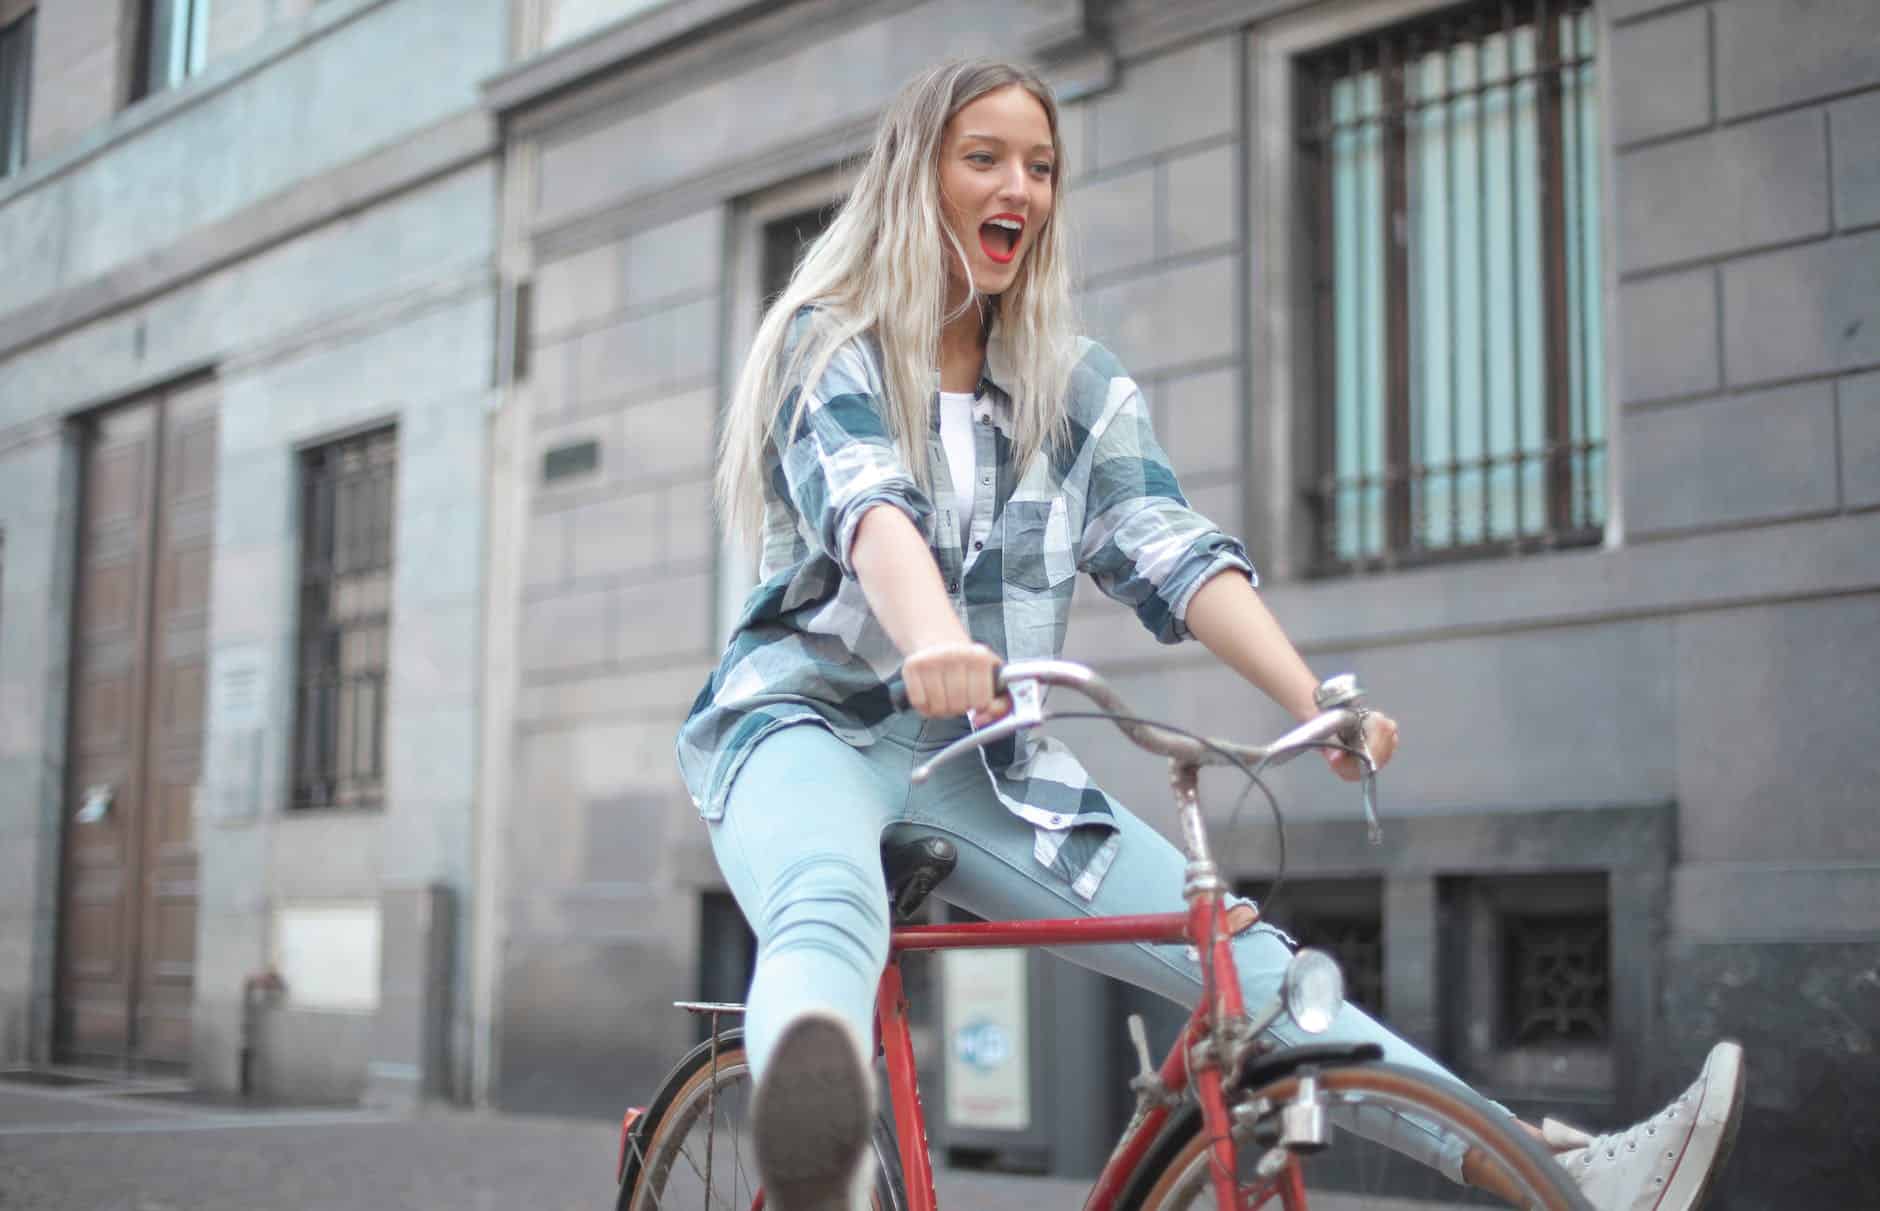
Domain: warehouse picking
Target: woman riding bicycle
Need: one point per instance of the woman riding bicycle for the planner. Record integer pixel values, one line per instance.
(925, 453)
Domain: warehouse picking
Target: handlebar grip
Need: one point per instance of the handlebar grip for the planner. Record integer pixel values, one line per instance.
(897, 689)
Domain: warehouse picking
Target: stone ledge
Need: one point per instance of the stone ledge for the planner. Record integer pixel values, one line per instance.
(371, 178)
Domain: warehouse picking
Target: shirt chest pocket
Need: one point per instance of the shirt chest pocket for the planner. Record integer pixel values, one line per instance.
(1037, 552)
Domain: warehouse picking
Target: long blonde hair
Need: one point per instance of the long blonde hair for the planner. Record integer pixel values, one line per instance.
(878, 272)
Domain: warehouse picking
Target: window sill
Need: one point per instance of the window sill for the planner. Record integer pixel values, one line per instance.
(1718, 570)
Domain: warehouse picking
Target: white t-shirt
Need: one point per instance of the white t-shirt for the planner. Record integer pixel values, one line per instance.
(956, 434)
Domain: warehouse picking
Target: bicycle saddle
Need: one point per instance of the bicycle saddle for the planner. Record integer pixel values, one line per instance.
(913, 868)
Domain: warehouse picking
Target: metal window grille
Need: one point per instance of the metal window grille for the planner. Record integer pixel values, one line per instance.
(16, 86)
(1557, 980)
(1343, 917)
(1358, 945)
(347, 494)
(1451, 191)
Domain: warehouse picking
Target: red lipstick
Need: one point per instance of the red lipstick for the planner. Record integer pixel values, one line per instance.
(999, 236)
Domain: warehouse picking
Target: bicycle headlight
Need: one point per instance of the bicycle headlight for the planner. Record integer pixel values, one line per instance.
(1314, 989)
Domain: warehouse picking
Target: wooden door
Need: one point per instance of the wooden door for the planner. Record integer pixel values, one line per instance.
(128, 912)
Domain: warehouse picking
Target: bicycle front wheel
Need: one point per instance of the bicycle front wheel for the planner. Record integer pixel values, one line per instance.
(1352, 1172)
(697, 1154)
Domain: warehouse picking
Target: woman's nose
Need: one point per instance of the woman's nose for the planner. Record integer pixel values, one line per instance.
(1012, 183)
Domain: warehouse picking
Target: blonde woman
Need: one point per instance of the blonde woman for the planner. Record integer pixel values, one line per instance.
(925, 453)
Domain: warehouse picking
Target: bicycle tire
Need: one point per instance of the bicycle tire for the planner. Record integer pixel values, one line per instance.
(1352, 1171)
(672, 1120)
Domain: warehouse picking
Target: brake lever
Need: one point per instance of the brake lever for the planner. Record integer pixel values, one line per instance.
(1374, 830)
(1027, 711)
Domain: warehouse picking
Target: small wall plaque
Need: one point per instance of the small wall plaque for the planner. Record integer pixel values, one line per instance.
(576, 458)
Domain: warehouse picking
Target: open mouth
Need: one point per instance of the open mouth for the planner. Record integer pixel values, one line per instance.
(999, 236)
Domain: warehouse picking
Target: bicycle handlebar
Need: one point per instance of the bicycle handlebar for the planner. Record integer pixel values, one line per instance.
(1022, 679)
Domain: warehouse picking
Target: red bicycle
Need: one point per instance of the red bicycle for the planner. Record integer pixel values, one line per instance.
(1228, 1119)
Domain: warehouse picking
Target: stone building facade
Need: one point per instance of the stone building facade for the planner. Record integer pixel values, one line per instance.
(1660, 735)
(533, 239)
(225, 257)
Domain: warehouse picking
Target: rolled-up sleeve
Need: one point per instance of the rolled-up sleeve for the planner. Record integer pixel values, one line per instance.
(838, 460)
(1141, 542)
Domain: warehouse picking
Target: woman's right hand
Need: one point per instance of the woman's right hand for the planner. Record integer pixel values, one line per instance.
(947, 680)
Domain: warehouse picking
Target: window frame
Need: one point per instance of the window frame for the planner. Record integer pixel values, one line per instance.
(16, 125)
(734, 571)
(309, 581)
(144, 81)
(1479, 911)
(1281, 367)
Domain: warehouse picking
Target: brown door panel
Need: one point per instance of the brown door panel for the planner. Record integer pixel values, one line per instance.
(139, 668)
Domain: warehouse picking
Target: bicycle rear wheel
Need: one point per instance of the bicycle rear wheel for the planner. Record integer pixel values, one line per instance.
(1352, 1172)
(697, 1153)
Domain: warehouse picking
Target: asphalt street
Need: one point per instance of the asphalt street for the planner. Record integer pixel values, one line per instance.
(125, 1146)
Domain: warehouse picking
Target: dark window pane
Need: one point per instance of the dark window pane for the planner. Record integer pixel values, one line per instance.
(727, 954)
(1344, 918)
(1557, 979)
(16, 90)
(347, 500)
(174, 41)
(785, 240)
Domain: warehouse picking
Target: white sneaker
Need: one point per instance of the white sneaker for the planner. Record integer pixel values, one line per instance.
(811, 1118)
(1665, 1163)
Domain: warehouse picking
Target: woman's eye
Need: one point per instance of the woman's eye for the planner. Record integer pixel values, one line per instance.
(979, 157)
(1042, 168)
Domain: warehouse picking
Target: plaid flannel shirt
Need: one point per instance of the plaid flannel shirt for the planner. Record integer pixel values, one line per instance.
(807, 648)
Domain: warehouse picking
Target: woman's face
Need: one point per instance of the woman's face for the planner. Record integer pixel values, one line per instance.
(997, 160)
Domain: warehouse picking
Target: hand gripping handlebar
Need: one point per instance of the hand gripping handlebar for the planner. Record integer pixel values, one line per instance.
(1025, 681)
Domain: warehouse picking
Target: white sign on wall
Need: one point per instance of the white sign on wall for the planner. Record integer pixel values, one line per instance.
(988, 1022)
(238, 701)
(328, 955)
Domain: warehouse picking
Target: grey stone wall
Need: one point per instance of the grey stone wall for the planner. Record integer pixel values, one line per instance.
(37, 488)
(1717, 654)
(82, 54)
(311, 219)
(1749, 301)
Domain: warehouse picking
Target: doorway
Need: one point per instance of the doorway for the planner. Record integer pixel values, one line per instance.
(140, 629)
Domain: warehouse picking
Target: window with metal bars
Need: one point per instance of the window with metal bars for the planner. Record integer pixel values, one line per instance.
(1345, 918)
(347, 494)
(1556, 986)
(1451, 191)
(16, 90)
(175, 44)
(1527, 973)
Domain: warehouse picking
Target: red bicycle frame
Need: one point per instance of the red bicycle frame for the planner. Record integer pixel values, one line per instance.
(1205, 920)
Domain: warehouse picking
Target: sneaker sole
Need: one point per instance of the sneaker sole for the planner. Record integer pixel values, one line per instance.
(811, 1118)
(1691, 1183)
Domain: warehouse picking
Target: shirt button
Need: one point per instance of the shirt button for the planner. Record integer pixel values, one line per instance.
(985, 418)
(953, 586)
(985, 479)
(979, 546)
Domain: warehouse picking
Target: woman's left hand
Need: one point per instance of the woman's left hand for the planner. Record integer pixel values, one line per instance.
(1380, 736)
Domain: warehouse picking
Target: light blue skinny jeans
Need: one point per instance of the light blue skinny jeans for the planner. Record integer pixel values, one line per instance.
(799, 844)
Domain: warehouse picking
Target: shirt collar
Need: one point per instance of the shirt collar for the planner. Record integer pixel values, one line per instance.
(995, 372)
